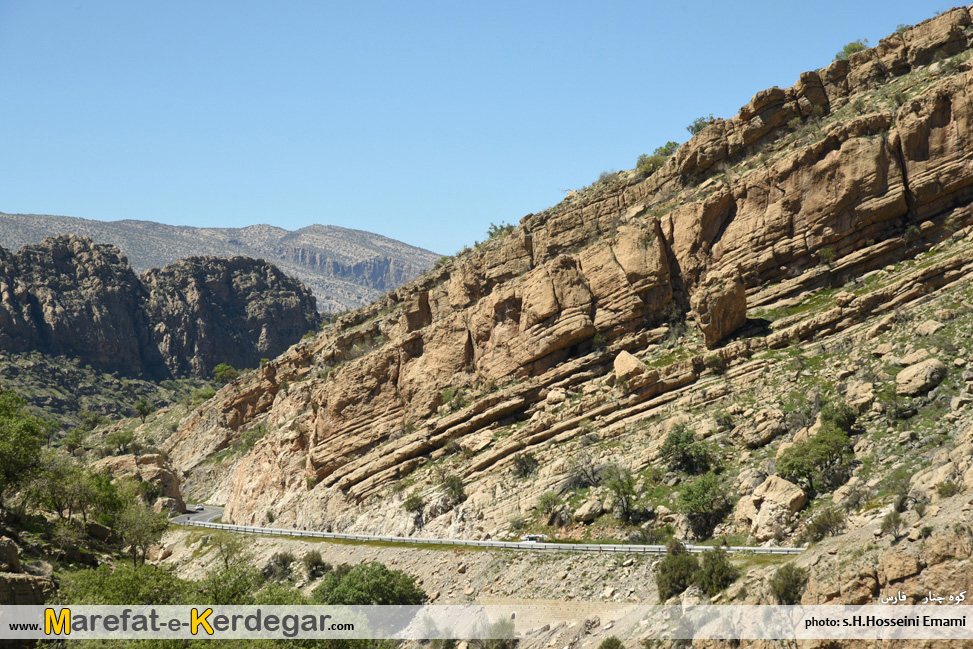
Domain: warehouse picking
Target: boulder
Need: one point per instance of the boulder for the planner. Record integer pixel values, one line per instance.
(920, 378)
(24, 590)
(626, 366)
(720, 306)
(928, 328)
(589, 511)
(9, 555)
(770, 507)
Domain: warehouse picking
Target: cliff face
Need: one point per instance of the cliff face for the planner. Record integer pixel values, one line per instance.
(207, 310)
(565, 339)
(70, 296)
(344, 268)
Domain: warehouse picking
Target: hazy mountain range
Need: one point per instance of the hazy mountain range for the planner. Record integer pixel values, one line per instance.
(343, 268)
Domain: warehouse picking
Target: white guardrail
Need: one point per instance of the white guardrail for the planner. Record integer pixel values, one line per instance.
(506, 545)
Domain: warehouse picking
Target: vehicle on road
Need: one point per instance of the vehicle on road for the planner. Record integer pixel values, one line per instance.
(198, 508)
(533, 538)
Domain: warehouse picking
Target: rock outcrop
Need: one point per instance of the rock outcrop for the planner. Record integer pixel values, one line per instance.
(69, 296)
(17, 588)
(511, 348)
(146, 468)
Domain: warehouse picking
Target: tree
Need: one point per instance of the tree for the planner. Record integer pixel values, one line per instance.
(224, 373)
(144, 409)
(119, 441)
(453, 488)
(231, 585)
(548, 502)
(715, 572)
(229, 548)
(787, 584)
(820, 459)
(140, 528)
(621, 483)
(851, 48)
(676, 571)
(21, 438)
(699, 124)
(370, 584)
(705, 503)
(74, 440)
(525, 464)
(123, 585)
(682, 452)
(497, 231)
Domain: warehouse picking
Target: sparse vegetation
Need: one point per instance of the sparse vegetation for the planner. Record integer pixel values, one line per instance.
(676, 571)
(788, 583)
(699, 124)
(851, 48)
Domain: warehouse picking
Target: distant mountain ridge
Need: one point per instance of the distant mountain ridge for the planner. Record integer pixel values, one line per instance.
(344, 268)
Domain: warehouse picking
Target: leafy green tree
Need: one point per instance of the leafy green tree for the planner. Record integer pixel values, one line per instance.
(705, 503)
(699, 124)
(120, 441)
(414, 502)
(143, 408)
(818, 460)
(369, 585)
(840, 415)
(548, 502)
(682, 452)
(611, 642)
(21, 438)
(235, 584)
(497, 231)
(140, 528)
(851, 48)
(123, 585)
(715, 572)
(74, 440)
(224, 373)
(676, 571)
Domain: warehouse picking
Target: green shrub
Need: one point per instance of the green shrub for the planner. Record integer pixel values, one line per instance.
(827, 256)
(314, 565)
(279, 568)
(682, 452)
(851, 48)
(902, 28)
(370, 584)
(840, 414)
(828, 522)
(715, 572)
(413, 502)
(892, 524)
(224, 373)
(611, 642)
(699, 124)
(525, 464)
(948, 488)
(705, 502)
(201, 395)
(676, 571)
(925, 532)
(499, 231)
(453, 488)
(548, 502)
(788, 583)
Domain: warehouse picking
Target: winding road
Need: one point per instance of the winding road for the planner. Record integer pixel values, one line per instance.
(205, 517)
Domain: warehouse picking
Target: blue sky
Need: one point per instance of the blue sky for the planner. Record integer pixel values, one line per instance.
(422, 121)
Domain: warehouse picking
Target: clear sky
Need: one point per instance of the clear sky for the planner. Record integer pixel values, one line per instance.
(422, 121)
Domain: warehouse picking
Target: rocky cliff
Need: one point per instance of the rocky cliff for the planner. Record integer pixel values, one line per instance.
(805, 250)
(344, 268)
(69, 296)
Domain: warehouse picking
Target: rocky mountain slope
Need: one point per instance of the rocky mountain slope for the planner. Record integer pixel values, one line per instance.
(72, 297)
(344, 268)
(812, 252)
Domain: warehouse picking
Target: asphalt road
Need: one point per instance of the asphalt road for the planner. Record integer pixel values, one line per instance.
(208, 515)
